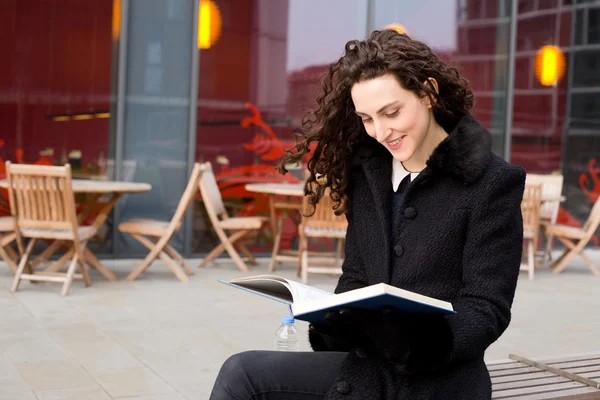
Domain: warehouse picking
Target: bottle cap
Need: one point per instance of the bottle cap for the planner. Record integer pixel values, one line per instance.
(287, 320)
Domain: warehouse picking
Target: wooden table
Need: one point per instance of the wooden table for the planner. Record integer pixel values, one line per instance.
(292, 194)
(104, 195)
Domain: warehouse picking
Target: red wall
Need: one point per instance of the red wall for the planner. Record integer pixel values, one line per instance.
(56, 59)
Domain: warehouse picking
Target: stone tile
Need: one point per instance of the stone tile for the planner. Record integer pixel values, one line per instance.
(156, 338)
(146, 340)
(170, 396)
(34, 348)
(11, 389)
(132, 382)
(12, 384)
(73, 394)
(50, 375)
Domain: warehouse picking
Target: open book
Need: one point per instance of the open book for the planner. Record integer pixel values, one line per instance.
(310, 304)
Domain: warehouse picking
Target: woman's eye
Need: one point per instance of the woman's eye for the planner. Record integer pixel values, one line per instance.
(366, 120)
(392, 114)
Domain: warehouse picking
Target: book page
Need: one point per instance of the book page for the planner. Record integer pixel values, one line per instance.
(304, 292)
(270, 287)
(281, 288)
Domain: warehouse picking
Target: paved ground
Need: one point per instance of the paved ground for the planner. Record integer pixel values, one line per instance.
(158, 339)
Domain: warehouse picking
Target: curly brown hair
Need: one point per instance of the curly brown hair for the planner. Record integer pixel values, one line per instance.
(338, 131)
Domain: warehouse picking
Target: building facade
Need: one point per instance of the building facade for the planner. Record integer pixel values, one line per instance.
(141, 89)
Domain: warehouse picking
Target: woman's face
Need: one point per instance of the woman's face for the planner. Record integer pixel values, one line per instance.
(396, 117)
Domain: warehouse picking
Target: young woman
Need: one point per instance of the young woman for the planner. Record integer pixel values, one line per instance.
(430, 209)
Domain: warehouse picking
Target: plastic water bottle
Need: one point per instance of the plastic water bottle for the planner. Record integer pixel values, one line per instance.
(287, 336)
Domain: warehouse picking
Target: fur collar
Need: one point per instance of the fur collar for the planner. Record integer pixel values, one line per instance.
(463, 155)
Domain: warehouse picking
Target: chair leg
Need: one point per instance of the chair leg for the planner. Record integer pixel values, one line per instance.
(173, 253)
(231, 250)
(304, 270)
(83, 267)
(548, 249)
(560, 264)
(8, 259)
(302, 244)
(95, 263)
(212, 255)
(176, 269)
(276, 245)
(144, 264)
(339, 251)
(531, 258)
(11, 252)
(247, 253)
(58, 264)
(590, 264)
(70, 274)
(47, 253)
(217, 251)
(24, 261)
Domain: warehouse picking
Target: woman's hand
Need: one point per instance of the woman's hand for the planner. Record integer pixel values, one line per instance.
(411, 342)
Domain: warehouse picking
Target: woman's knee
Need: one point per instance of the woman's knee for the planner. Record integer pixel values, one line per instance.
(235, 376)
(236, 366)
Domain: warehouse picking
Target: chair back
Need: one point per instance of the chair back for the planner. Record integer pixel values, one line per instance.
(212, 195)
(324, 217)
(530, 208)
(186, 198)
(552, 186)
(591, 224)
(41, 197)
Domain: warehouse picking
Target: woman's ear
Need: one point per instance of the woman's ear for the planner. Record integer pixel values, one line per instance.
(432, 84)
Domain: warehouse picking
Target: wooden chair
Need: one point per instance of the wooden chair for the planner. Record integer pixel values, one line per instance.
(530, 208)
(229, 230)
(7, 236)
(156, 235)
(552, 186)
(43, 207)
(322, 224)
(575, 240)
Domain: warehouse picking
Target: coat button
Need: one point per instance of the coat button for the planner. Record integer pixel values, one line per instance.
(362, 353)
(343, 387)
(399, 250)
(410, 212)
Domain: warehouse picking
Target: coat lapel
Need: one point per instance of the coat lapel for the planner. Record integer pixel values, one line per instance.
(378, 171)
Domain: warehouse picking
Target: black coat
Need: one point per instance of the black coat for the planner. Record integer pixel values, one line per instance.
(460, 236)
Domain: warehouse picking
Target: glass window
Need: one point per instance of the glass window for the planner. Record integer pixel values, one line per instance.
(539, 99)
(478, 48)
(55, 86)
(593, 26)
(586, 68)
(258, 75)
(156, 120)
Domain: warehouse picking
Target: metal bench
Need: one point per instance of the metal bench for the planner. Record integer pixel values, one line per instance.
(570, 377)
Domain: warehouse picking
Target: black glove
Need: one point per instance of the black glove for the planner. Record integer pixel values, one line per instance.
(412, 343)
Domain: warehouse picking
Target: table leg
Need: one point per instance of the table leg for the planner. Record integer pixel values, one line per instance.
(277, 241)
(273, 215)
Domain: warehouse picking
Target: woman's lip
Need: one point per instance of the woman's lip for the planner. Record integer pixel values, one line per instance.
(397, 145)
(398, 138)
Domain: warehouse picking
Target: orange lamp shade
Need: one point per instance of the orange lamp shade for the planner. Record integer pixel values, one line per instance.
(116, 19)
(549, 65)
(397, 27)
(209, 24)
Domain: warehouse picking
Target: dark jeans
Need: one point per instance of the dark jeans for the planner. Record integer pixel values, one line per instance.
(275, 375)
